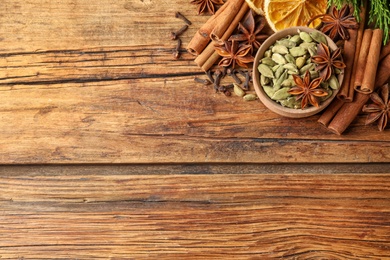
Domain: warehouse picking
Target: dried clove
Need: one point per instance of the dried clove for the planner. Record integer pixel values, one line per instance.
(180, 16)
(210, 76)
(176, 51)
(247, 80)
(202, 81)
(175, 35)
(218, 77)
(232, 73)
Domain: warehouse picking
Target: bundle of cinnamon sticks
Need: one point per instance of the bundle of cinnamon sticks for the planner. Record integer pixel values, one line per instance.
(368, 67)
(339, 115)
(219, 27)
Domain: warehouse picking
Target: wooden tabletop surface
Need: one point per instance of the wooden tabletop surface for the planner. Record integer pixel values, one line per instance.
(110, 150)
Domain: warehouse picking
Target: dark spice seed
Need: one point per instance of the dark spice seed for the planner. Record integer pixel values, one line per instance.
(176, 51)
(180, 16)
(202, 81)
(175, 35)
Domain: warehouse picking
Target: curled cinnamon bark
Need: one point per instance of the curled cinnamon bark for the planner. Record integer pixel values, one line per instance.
(217, 24)
(368, 83)
(349, 111)
(363, 53)
(209, 56)
(348, 88)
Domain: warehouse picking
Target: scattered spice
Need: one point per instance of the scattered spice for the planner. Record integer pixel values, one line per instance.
(232, 73)
(248, 78)
(182, 17)
(250, 31)
(336, 23)
(210, 76)
(379, 110)
(307, 91)
(205, 6)
(217, 80)
(176, 51)
(175, 35)
(202, 81)
(232, 53)
(327, 61)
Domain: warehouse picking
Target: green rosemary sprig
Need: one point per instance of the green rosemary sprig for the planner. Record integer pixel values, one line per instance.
(379, 13)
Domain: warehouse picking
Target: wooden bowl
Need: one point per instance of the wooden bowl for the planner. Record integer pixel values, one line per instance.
(271, 104)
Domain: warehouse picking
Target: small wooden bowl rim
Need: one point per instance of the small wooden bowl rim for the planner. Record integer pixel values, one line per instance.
(267, 101)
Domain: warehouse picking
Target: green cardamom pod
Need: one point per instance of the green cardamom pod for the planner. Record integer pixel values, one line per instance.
(266, 71)
(250, 97)
(319, 37)
(288, 83)
(278, 58)
(281, 49)
(300, 61)
(290, 66)
(238, 90)
(281, 94)
(289, 58)
(314, 74)
(286, 42)
(264, 80)
(298, 51)
(268, 61)
(305, 37)
(269, 90)
(280, 79)
(291, 102)
(279, 72)
(296, 38)
(268, 53)
(307, 67)
(334, 82)
(312, 50)
(307, 45)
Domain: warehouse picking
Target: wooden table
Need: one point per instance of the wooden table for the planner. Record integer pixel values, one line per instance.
(111, 150)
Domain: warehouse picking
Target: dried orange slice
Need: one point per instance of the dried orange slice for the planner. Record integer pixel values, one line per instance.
(282, 14)
(256, 5)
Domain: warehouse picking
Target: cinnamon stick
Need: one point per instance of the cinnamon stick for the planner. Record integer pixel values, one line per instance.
(363, 53)
(368, 83)
(385, 51)
(209, 56)
(202, 37)
(347, 91)
(231, 12)
(221, 20)
(330, 112)
(349, 111)
(205, 55)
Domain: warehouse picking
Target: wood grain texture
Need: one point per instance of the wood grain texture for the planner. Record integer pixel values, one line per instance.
(79, 213)
(95, 82)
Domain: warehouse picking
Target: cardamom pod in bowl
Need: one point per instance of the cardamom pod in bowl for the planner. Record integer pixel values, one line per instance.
(297, 72)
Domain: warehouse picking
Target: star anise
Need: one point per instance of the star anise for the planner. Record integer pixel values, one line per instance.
(207, 5)
(379, 109)
(327, 61)
(233, 53)
(336, 23)
(307, 90)
(250, 31)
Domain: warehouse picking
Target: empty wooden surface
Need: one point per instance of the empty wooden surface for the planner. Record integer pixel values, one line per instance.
(239, 212)
(109, 149)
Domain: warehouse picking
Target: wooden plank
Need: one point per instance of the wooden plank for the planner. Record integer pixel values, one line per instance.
(81, 215)
(96, 83)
